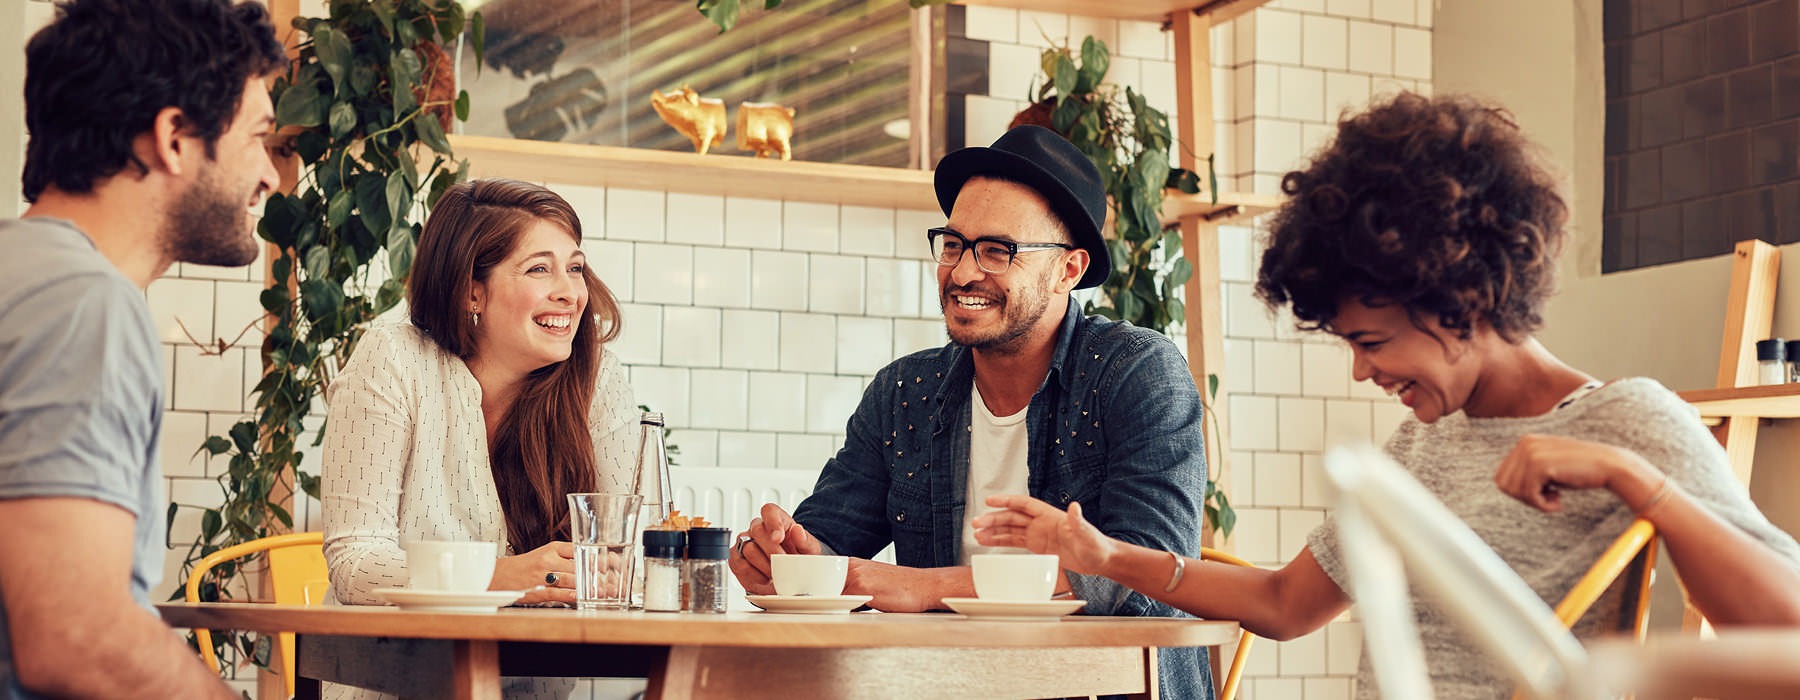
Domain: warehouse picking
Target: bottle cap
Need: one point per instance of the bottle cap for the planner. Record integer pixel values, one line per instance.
(651, 418)
(1772, 349)
(665, 544)
(709, 543)
(1793, 350)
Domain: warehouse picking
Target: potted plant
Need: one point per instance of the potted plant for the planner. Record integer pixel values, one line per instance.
(368, 95)
(1129, 141)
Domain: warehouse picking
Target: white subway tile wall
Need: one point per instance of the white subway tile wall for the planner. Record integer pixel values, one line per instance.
(755, 324)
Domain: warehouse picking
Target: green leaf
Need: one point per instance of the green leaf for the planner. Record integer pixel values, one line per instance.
(432, 133)
(214, 446)
(404, 71)
(399, 196)
(478, 36)
(1094, 62)
(333, 49)
(462, 105)
(243, 435)
(371, 202)
(384, 11)
(300, 105)
(339, 209)
(321, 299)
(1227, 519)
(318, 262)
(274, 299)
(169, 518)
(210, 524)
(1181, 270)
(1184, 180)
(362, 81)
(400, 250)
(281, 514)
(1064, 76)
(343, 119)
(1212, 386)
(723, 13)
(771, 4)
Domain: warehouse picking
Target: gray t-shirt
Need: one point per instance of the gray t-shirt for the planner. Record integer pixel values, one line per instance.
(81, 390)
(1455, 458)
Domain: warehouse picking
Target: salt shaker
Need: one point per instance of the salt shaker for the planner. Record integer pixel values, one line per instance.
(708, 579)
(1771, 361)
(1793, 358)
(664, 564)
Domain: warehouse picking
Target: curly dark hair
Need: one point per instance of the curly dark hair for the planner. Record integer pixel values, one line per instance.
(1439, 204)
(96, 78)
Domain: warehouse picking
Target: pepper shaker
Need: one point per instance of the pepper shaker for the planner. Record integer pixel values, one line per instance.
(709, 581)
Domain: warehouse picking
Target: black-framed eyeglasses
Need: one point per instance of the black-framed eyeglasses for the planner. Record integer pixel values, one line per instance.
(993, 255)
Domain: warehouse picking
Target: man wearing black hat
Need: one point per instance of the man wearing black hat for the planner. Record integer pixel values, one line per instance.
(1030, 396)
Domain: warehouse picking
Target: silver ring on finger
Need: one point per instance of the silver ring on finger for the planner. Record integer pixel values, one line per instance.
(550, 578)
(743, 540)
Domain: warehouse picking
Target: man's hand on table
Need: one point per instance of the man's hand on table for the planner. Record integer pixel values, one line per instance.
(906, 589)
(774, 532)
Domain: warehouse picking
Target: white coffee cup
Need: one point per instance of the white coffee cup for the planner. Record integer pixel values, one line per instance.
(456, 567)
(809, 574)
(1015, 576)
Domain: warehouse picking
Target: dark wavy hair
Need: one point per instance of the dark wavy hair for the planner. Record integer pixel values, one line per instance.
(96, 78)
(541, 450)
(1439, 204)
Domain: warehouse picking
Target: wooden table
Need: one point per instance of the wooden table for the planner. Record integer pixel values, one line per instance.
(1739, 664)
(735, 655)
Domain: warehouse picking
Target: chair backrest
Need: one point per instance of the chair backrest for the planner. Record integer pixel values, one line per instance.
(297, 572)
(1632, 556)
(1389, 528)
(1235, 674)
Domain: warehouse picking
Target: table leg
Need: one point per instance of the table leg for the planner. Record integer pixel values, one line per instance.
(476, 674)
(1151, 678)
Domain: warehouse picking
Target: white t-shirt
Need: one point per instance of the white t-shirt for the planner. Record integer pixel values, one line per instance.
(997, 465)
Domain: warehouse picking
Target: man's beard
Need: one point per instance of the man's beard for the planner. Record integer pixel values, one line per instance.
(1021, 312)
(206, 226)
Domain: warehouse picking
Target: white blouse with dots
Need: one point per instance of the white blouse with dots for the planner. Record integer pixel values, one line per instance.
(406, 456)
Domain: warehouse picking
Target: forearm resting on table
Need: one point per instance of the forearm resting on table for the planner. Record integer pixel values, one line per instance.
(1277, 604)
(1730, 576)
(74, 629)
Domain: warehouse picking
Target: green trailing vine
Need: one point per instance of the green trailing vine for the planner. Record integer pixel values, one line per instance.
(370, 95)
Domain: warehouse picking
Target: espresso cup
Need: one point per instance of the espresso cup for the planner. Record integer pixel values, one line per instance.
(809, 574)
(1014, 576)
(454, 567)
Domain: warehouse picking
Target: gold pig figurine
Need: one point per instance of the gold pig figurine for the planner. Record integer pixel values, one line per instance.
(701, 119)
(765, 128)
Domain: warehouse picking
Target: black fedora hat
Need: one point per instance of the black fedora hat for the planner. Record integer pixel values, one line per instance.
(1044, 161)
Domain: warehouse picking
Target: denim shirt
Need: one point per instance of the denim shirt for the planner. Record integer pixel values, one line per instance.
(1116, 425)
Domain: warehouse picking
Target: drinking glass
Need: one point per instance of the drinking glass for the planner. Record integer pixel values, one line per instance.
(603, 527)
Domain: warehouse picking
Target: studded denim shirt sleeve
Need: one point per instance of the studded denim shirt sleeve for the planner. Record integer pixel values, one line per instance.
(1147, 413)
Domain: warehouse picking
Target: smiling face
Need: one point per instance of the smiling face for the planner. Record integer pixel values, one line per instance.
(531, 303)
(1432, 371)
(989, 311)
(213, 221)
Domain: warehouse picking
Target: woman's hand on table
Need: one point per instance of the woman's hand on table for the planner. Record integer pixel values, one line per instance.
(547, 573)
(1540, 467)
(1023, 521)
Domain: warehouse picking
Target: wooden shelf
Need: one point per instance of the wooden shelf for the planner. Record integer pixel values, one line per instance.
(1773, 401)
(1141, 10)
(714, 173)
(740, 176)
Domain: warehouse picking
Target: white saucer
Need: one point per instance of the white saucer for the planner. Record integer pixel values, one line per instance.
(1014, 609)
(809, 604)
(448, 601)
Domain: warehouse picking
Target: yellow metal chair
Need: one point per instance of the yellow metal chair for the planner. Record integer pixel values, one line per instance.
(1633, 554)
(296, 571)
(1235, 674)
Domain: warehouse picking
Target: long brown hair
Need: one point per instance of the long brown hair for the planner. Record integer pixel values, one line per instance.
(541, 449)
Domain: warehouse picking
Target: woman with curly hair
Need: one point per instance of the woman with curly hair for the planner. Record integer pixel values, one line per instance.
(1425, 236)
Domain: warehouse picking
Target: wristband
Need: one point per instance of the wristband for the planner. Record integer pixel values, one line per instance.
(1175, 578)
(1662, 494)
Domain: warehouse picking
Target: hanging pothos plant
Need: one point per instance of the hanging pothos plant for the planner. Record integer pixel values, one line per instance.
(725, 12)
(1129, 140)
(369, 95)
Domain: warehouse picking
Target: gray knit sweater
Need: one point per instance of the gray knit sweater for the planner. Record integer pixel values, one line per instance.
(1455, 458)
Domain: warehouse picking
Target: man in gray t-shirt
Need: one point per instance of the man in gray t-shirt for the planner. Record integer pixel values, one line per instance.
(128, 172)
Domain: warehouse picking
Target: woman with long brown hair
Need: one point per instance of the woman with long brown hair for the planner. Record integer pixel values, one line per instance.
(473, 418)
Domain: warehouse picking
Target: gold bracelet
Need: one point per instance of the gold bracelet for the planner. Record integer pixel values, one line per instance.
(1662, 494)
(1175, 578)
